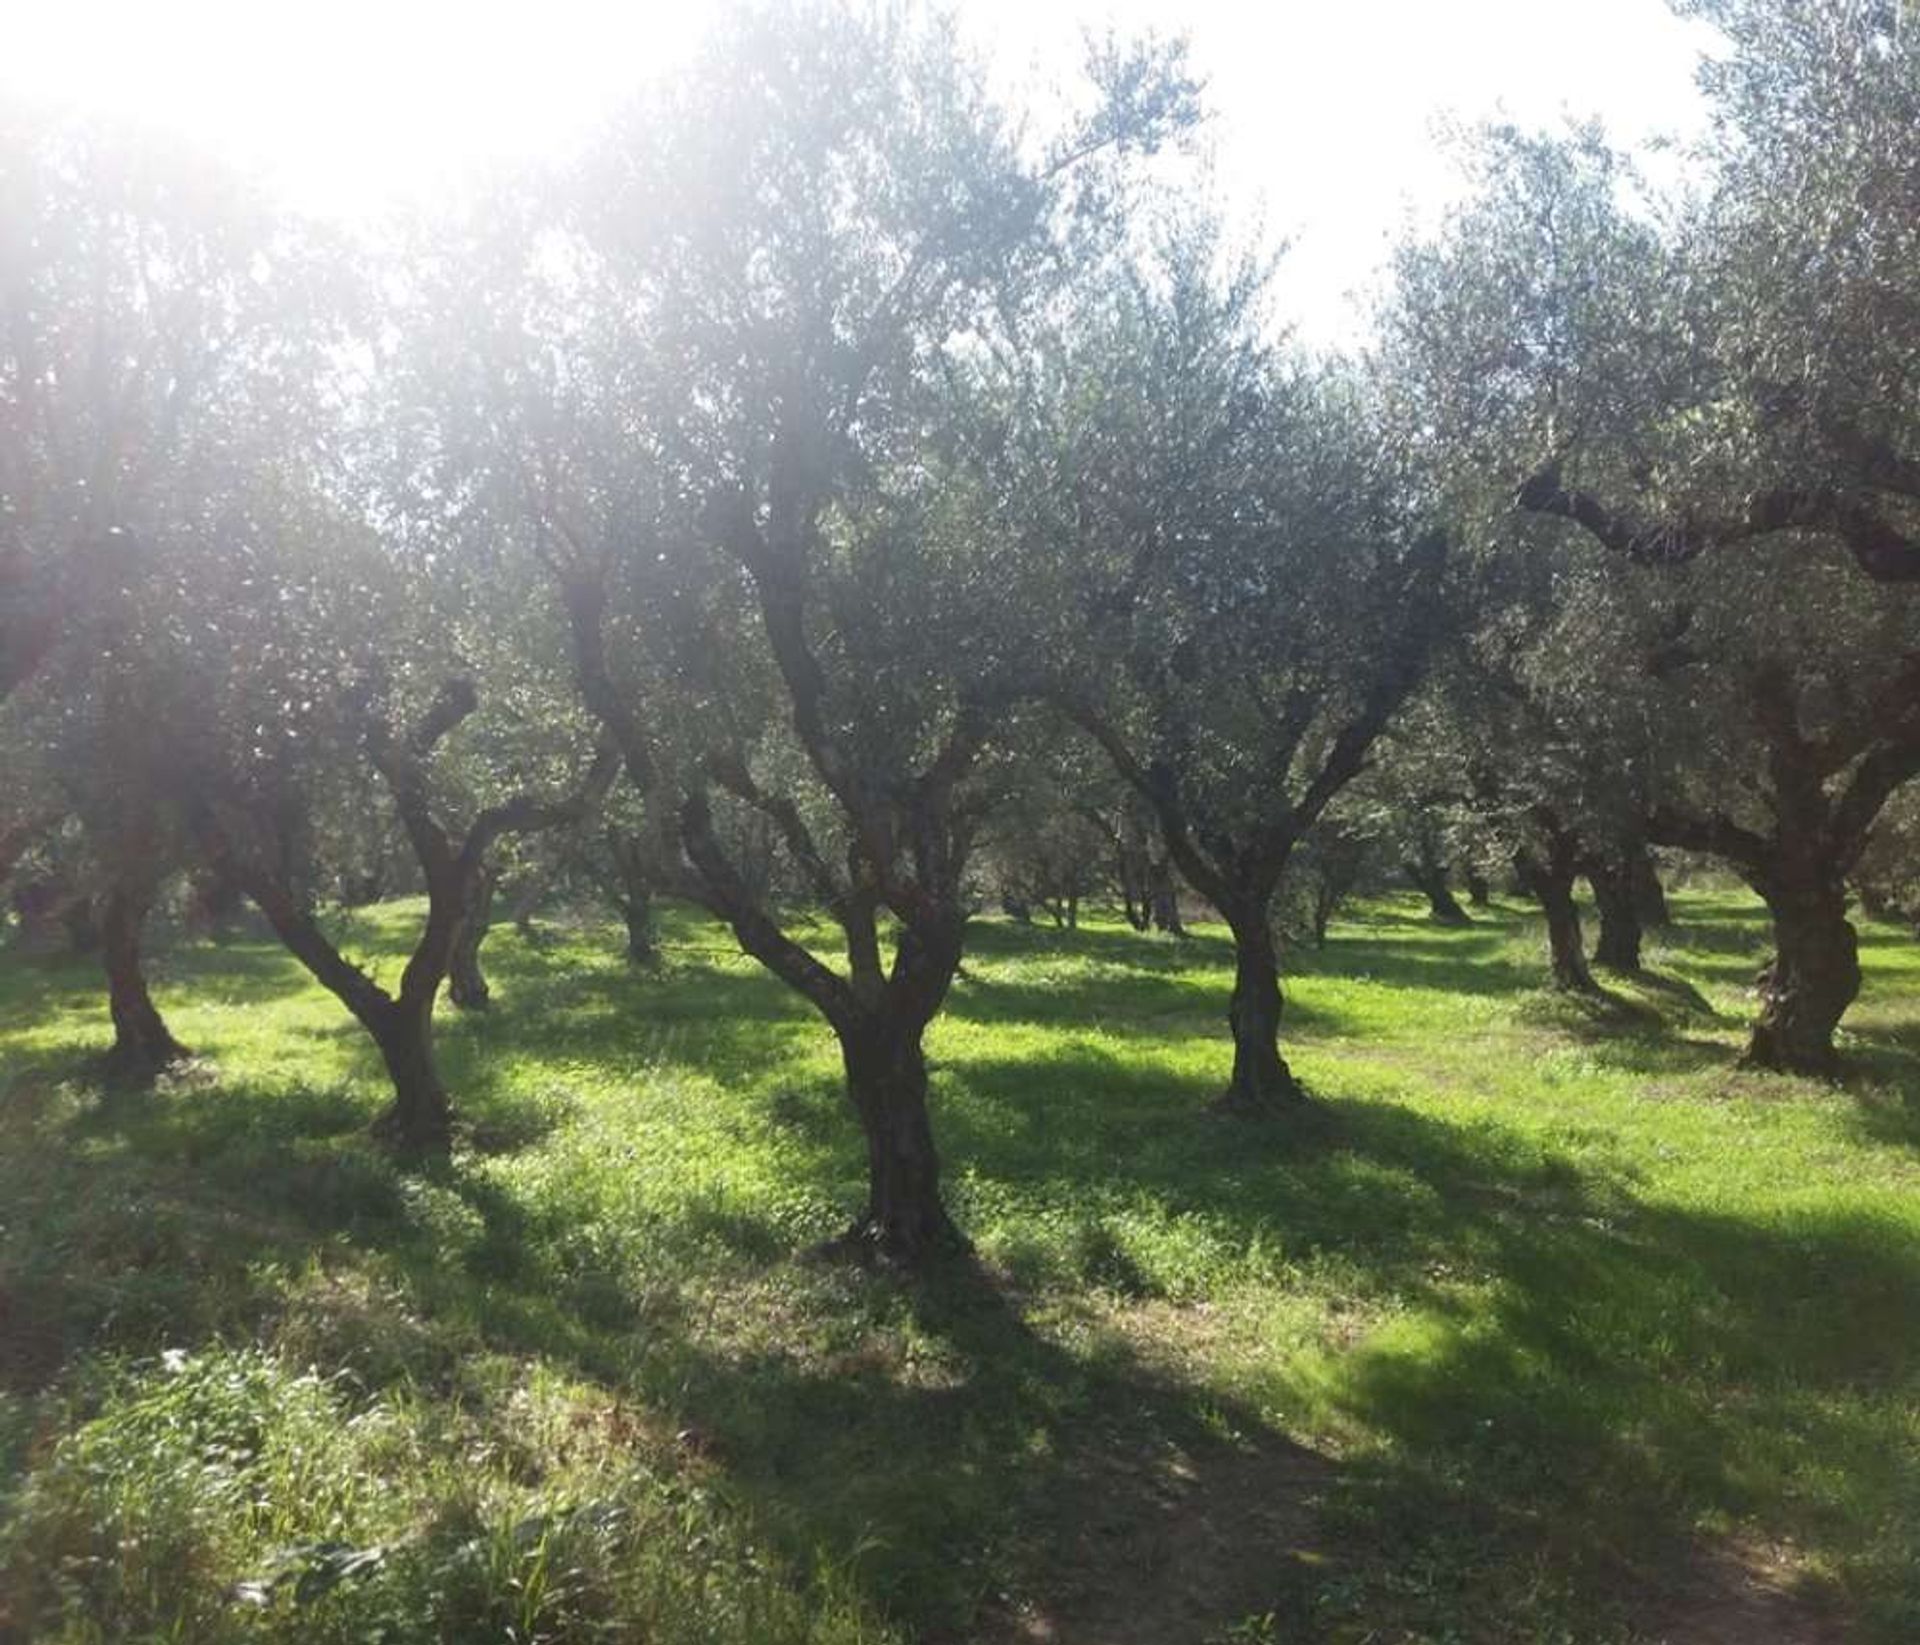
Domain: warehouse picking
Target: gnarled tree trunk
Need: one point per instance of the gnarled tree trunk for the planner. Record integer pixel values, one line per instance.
(1812, 979)
(1163, 897)
(466, 982)
(1262, 1083)
(1549, 876)
(143, 1045)
(637, 913)
(1619, 909)
(905, 1219)
(1649, 895)
(419, 1120)
(1430, 878)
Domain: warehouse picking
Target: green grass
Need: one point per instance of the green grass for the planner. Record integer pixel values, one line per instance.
(1564, 1329)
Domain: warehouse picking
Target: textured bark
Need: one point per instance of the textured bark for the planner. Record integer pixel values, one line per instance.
(637, 913)
(419, 1120)
(1163, 895)
(1649, 895)
(466, 982)
(1430, 878)
(905, 1220)
(1549, 876)
(1479, 893)
(143, 1045)
(1618, 906)
(1812, 979)
(1262, 1083)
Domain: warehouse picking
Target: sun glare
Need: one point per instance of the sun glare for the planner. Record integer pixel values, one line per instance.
(1325, 131)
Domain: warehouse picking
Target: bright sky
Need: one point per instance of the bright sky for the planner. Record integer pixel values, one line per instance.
(1326, 112)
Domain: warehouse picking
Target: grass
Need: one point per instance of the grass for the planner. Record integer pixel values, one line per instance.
(1564, 1329)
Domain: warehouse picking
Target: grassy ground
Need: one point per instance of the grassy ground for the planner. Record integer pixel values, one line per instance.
(1563, 1330)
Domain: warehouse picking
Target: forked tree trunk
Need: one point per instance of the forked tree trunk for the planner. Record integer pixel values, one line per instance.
(466, 982)
(1813, 977)
(419, 1120)
(142, 1043)
(1551, 879)
(905, 1220)
(1619, 909)
(1262, 1083)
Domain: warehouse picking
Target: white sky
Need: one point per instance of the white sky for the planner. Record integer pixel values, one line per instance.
(1326, 112)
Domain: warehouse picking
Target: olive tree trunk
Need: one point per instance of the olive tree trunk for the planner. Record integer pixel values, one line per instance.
(419, 1120)
(1615, 901)
(1163, 896)
(1430, 878)
(143, 1045)
(1550, 877)
(905, 1219)
(466, 982)
(1262, 1083)
(1812, 979)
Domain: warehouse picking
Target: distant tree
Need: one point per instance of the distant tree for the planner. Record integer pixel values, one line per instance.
(248, 821)
(1560, 313)
(1242, 594)
(160, 337)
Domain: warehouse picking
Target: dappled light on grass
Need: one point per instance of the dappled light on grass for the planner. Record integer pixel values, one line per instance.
(1558, 1308)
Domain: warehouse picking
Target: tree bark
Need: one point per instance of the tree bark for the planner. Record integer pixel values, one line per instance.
(1163, 892)
(637, 912)
(1812, 979)
(1479, 893)
(419, 1120)
(466, 982)
(1650, 896)
(1550, 879)
(143, 1045)
(1262, 1083)
(905, 1220)
(1619, 908)
(1430, 878)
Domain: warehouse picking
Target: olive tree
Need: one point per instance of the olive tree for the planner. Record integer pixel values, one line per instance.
(1241, 587)
(711, 405)
(1634, 343)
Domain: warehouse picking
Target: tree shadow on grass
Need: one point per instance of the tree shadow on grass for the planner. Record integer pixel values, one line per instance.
(1559, 1381)
(1454, 961)
(1574, 1380)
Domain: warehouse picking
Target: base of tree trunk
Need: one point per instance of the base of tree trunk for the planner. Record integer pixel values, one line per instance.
(467, 995)
(902, 1244)
(1773, 1053)
(415, 1131)
(144, 1059)
(1806, 988)
(1274, 1094)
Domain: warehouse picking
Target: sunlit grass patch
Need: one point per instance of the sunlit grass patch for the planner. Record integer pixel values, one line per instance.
(1559, 1298)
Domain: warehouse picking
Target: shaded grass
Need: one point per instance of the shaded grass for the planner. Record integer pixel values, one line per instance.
(1558, 1297)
